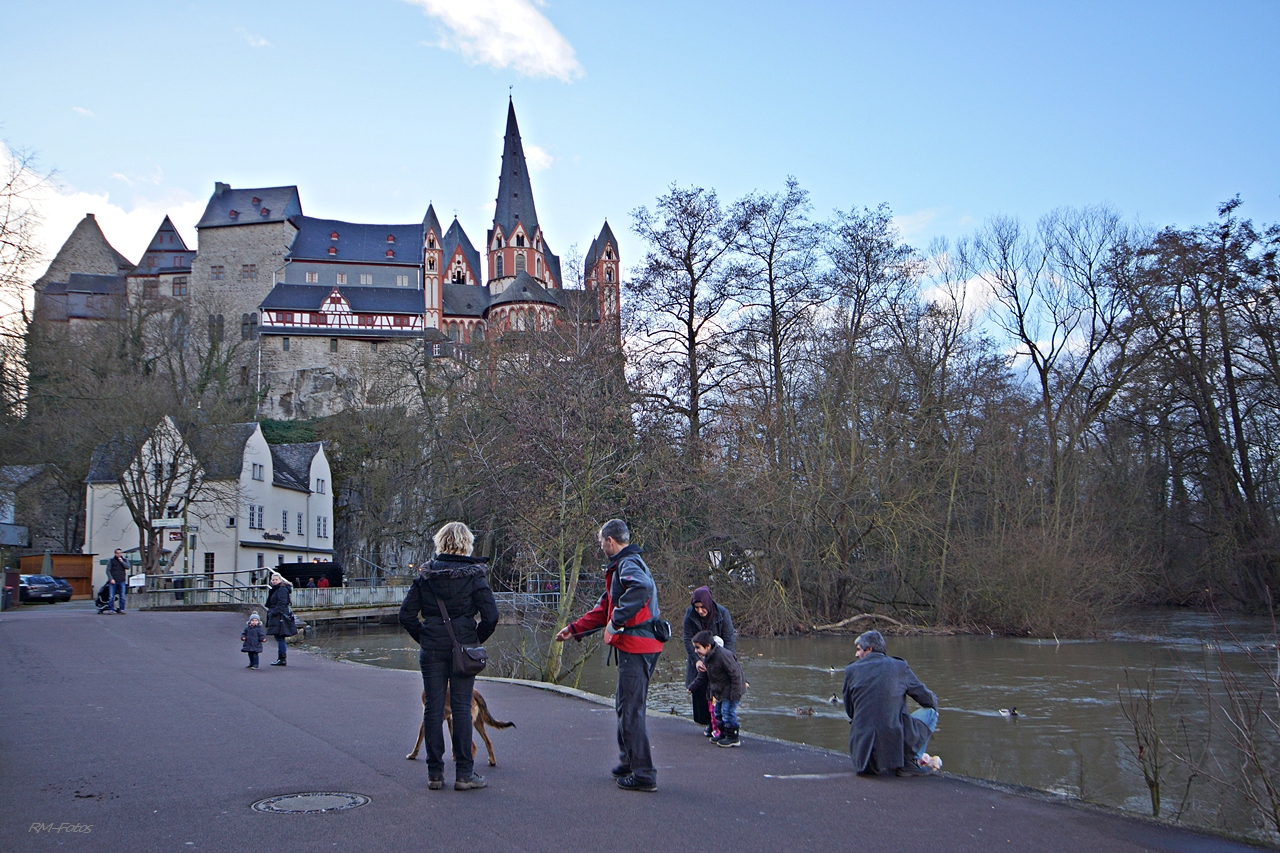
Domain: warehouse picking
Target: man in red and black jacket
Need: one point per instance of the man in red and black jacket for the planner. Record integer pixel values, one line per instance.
(626, 611)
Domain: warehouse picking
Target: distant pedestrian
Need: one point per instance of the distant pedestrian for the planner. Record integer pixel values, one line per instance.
(251, 640)
(720, 675)
(627, 611)
(117, 580)
(323, 583)
(311, 583)
(455, 579)
(280, 621)
(884, 738)
(704, 614)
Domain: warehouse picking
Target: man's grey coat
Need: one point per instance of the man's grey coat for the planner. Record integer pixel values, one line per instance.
(884, 736)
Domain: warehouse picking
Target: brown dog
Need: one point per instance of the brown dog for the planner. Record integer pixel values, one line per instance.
(480, 717)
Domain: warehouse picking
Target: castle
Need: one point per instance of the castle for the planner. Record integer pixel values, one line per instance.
(321, 303)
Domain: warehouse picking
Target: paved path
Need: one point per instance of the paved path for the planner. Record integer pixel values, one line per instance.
(148, 730)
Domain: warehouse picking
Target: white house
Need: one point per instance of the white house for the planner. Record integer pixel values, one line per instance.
(252, 505)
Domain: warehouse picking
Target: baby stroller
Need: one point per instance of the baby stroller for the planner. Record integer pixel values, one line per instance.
(103, 599)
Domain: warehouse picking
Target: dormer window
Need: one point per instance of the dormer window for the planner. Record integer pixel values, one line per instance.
(256, 201)
(391, 238)
(233, 213)
(333, 250)
(333, 235)
(266, 211)
(390, 253)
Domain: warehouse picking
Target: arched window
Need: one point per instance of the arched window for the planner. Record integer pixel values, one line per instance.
(519, 239)
(431, 264)
(499, 274)
(608, 274)
(459, 274)
(520, 262)
(538, 264)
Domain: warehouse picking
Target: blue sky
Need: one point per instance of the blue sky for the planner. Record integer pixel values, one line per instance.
(948, 112)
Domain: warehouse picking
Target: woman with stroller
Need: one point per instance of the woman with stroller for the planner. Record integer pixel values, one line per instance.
(704, 615)
(280, 621)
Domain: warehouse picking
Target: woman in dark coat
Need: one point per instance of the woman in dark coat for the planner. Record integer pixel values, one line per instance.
(704, 615)
(280, 616)
(457, 579)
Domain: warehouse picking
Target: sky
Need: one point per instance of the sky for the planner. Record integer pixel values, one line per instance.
(949, 112)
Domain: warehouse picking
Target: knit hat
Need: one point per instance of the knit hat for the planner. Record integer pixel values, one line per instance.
(253, 617)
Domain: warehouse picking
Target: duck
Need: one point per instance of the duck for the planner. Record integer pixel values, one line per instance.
(1009, 712)
(834, 700)
(804, 712)
(673, 712)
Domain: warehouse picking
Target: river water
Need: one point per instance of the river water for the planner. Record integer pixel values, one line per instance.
(1069, 736)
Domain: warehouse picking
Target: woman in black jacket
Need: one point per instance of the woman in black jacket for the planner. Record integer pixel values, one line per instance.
(457, 579)
(280, 621)
(704, 615)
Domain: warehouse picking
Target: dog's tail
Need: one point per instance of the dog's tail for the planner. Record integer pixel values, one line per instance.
(486, 717)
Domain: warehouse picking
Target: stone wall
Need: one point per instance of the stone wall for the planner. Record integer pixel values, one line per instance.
(311, 379)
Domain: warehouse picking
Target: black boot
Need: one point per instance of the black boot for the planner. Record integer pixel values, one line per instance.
(283, 661)
(729, 737)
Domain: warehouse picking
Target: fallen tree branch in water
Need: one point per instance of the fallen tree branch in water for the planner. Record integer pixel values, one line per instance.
(838, 625)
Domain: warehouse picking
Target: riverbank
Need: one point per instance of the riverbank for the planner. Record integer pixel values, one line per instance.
(146, 732)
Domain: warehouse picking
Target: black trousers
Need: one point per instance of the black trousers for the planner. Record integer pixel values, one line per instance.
(701, 710)
(629, 703)
(437, 674)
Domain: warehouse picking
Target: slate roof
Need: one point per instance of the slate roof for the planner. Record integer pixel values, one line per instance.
(464, 300)
(83, 296)
(455, 237)
(85, 250)
(291, 465)
(110, 459)
(582, 306)
(363, 300)
(597, 247)
(280, 203)
(166, 253)
(515, 193)
(432, 221)
(553, 262)
(220, 449)
(357, 242)
(14, 477)
(525, 288)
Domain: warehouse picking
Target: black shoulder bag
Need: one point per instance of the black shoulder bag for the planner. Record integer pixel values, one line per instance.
(467, 660)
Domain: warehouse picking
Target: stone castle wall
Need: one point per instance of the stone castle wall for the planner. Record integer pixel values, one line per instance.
(312, 379)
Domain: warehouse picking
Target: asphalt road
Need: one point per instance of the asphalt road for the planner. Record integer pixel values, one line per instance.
(145, 732)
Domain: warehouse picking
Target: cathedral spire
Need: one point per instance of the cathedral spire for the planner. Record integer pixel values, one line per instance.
(515, 194)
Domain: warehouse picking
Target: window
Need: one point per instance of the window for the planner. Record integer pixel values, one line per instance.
(374, 345)
(318, 320)
(520, 262)
(333, 344)
(157, 471)
(284, 344)
(231, 521)
(217, 273)
(342, 278)
(333, 250)
(301, 529)
(365, 319)
(520, 240)
(262, 562)
(391, 253)
(402, 281)
(431, 241)
(279, 559)
(284, 521)
(249, 272)
(180, 285)
(208, 561)
(258, 471)
(245, 331)
(313, 278)
(538, 264)
(150, 289)
(431, 264)
(319, 486)
(499, 275)
(366, 278)
(391, 238)
(608, 274)
(244, 376)
(333, 235)
(459, 275)
(402, 320)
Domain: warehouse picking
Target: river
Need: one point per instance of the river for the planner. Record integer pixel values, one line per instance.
(1069, 736)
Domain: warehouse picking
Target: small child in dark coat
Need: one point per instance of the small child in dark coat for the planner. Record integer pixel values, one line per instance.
(252, 639)
(719, 669)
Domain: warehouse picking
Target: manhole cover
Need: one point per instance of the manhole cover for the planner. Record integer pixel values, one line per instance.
(312, 802)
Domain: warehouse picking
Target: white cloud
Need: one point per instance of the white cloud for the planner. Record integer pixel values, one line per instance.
(504, 34)
(537, 158)
(252, 39)
(83, 111)
(912, 224)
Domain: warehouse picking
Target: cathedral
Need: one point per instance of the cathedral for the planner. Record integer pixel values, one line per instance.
(320, 303)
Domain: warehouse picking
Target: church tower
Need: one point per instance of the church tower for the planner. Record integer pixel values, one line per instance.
(433, 268)
(516, 243)
(602, 271)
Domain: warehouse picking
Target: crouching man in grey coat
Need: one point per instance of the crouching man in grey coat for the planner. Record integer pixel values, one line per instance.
(883, 737)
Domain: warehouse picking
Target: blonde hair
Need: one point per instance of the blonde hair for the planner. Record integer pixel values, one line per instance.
(455, 538)
(277, 576)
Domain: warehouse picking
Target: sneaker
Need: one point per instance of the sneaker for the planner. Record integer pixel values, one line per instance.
(475, 780)
(912, 772)
(435, 783)
(927, 760)
(631, 783)
(707, 732)
(621, 771)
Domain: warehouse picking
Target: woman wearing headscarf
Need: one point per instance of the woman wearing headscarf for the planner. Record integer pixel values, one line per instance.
(280, 616)
(455, 579)
(704, 615)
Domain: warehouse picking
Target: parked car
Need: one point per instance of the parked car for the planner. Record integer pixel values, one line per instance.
(65, 590)
(37, 588)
